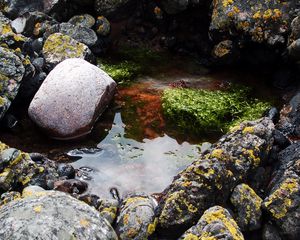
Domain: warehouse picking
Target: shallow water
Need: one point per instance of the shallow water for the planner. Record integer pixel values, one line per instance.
(132, 166)
(132, 147)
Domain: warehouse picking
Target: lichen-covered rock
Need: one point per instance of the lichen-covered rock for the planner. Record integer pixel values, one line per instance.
(84, 20)
(260, 20)
(209, 180)
(114, 9)
(81, 34)
(4, 106)
(137, 218)
(8, 197)
(215, 223)
(71, 99)
(247, 205)
(102, 26)
(52, 215)
(289, 122)
(283, 202)
(59, 47)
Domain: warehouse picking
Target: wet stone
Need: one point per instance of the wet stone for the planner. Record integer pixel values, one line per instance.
(215, 223)
(136, 219)
(52, 215)
(247, 205)
(72, 186)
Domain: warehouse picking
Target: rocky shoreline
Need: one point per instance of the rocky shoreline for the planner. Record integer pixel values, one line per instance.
(245, 186)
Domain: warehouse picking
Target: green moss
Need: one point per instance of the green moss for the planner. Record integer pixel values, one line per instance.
(121, 72)
(204, 111)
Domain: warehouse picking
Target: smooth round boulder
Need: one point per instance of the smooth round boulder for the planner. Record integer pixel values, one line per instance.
(52, 215)
(71, 99)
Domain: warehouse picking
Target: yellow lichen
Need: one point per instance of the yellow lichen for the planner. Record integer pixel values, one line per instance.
(267, 14)
(257, 15)
(38, 209)
(190, 236)
(151, 227)
(248, 130)
(226, 3)
(84, 223)
(217, 153)
(126, 219)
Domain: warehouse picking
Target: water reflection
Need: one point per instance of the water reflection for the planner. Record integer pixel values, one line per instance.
(131, 166)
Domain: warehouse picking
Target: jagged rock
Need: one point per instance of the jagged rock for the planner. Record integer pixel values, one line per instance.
(259, 20)
(71, 99)
(283, 201)
(85, 20)
(59, 47)
(248, 207)
(289, 122)
(52, 215)
(210, 180)
(215, 223)
(137, 219)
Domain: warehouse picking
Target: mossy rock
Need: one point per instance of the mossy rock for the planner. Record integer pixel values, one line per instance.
(206, 111)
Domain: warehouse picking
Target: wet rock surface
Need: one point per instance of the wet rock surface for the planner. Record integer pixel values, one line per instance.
(85, 92)
(209, 180)
(215, 223)
(51, 214)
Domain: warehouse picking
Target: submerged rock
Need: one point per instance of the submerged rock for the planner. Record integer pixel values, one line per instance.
(71, 99)
(52, 215)
(59, 47)
(215, 223)
(248, 207)
(137, 219)
(210, 180)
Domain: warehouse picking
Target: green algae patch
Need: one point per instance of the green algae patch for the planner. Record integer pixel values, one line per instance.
(121, 72)
(201, 111)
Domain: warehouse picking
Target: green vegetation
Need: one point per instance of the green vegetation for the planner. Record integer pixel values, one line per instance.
(205, 111)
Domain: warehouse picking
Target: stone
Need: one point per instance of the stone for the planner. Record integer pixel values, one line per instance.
(210, 180)
(84, 20)
(175, 6)
(72, 186)
(137, 218)
(270, 232)
(247, 205)
(4, 106)
(81, 34)
(59, 47)
(215, 223)
(52, 215)
(259, 20)
(102, 26)
(283, 199)
(71, 99)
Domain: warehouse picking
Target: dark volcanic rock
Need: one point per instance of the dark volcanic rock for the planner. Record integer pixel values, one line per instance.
(215, 223)
(52, 215)
(210, 180)
(71, 99)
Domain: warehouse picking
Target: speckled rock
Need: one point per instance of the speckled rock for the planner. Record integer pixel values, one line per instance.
(114, 9)
(4, 106)
(210, 180)
(59, 47)
(52, 215)
(289, 122)
(283, 201)
(260, 20)
(102, 26)
(71, 99)
(84, 20)
(137, 219)
(270, 232)
(247, 205)
(81, 34)
(215, 223)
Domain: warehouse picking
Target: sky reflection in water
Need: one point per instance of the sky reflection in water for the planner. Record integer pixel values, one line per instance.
(132, 166)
